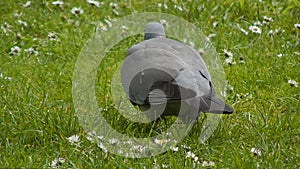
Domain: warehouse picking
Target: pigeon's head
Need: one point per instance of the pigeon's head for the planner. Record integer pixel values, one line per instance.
(154, 30)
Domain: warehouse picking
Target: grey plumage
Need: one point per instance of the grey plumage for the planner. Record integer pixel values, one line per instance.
(166, 76)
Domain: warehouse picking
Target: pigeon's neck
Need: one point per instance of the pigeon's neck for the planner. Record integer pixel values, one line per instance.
(153, 35)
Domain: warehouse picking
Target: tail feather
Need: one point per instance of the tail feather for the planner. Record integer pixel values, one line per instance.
(214, 105)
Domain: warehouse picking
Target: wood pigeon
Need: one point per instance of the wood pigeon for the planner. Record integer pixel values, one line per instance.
(166, 77)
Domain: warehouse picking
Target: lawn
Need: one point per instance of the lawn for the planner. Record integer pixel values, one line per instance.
(258, 46)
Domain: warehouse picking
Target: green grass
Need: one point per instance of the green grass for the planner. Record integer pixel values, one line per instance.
(36, 107)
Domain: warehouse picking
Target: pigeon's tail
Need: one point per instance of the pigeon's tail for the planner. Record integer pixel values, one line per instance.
(214, 105)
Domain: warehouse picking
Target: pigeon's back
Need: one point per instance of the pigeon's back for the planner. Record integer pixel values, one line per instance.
(182, 62)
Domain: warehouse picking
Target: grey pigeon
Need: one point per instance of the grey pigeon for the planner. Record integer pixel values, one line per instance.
(166, 77)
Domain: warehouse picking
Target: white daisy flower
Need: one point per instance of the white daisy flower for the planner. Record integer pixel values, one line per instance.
(58, 3)
(208, 164)
(190, 154)
(128, 142)
(257, 23)
(255, 29)
(22, 23)
(57, 162)
(120, 151)
(297, 53)
(178, 7)
(293, 83)
(157, 141)
(174, 148)
(161, 141)
(229, 87)
(196, 159)
(54, 163)
(164, 166)
(168, 133)
(73, 139)
(297, 25)
(101, 26)
(267, 19)
(191, 44)
(229, 61)
(212, 35)
(15, 50)
(271, 33)
(7, 78)
(255, 151)
(52, 36)
(123, 27)
(19, 36)
(280, 55)
(27, 4)
(242, 60)
(94, 3)
(61, 160)
(89, 138)
(164, 22)
(76, 11)
(113, 141)
(215, 24)
(5, 27)
(165, 6)
(16, 15)
(186, 147)
(31, 50)
(113, 5)
(227, 53)
(138, 148)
